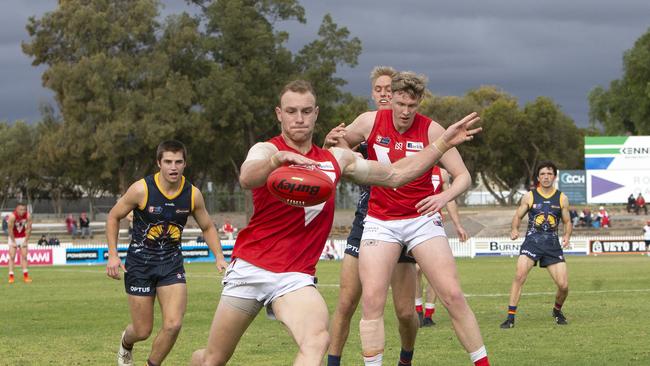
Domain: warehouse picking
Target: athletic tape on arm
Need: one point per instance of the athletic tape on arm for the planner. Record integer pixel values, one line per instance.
(361, 167)
(261, 151)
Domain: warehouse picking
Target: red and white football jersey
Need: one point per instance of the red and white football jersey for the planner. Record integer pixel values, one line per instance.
(386, 145)
(20, 225)
(283, 238)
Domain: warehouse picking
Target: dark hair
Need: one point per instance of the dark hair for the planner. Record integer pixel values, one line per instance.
(545, 164)
(170, 145)
(20, 203)
(297, 86)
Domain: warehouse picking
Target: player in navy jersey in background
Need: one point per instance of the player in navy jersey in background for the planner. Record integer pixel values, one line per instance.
(161, 204)
(545, 206)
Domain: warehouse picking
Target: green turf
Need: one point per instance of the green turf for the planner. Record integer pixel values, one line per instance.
(74, 316)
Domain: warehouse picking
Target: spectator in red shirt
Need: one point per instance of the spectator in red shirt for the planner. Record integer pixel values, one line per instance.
(228, 229)
(71, 225)
(640, 204)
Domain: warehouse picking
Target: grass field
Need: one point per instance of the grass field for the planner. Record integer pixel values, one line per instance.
(74, 316)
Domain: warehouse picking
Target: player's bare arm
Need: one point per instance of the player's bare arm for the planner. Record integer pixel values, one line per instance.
(262, 159)
(521, 211)
(11, 221)
(405, 170)
(357, 131)
(209, 230)
(452, 208)
(134, 197)
(566, 220)
(28, 228)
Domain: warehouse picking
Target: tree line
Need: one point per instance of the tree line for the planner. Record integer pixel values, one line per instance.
(124, 80)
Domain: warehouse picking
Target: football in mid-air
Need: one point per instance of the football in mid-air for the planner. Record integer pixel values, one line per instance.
(300, 186)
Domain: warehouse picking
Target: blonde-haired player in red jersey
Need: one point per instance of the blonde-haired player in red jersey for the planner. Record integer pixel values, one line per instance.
(394, 221)
(20, 227)
(275, 256)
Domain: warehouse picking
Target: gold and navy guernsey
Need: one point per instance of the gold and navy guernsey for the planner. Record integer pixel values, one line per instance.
(545, 213)
(159, 221)
(542, 243)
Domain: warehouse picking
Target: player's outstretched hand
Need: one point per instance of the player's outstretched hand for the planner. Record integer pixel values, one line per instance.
(430, 205)
(565, 242)
(462, 130)
(287, 157)
(113, 267)
(221, 264)
(334, 136)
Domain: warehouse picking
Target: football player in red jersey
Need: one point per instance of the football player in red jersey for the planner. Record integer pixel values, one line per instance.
(20, 227)
(395, 218)
(275, 256)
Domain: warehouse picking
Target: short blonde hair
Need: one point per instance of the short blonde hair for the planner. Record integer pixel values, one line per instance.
(381, 71)
(410, 83)
(297, 86)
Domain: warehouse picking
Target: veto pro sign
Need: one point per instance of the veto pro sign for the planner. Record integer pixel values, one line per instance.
(618, 247)
(573, 183)
(35, 257)
(616, 166)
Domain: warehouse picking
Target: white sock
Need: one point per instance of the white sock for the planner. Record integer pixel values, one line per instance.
(374, 360)
(11, 273)
(418, 301)
(25, 271)
(478, 354)
(429, 305)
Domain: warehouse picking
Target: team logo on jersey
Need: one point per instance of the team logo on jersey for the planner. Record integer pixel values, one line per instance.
(382, 140)
(435, 180)
(399, 145)
(163, 234)
(414, 145)
(156, 210)
(181, 211)
(537, 206)
(170, 204)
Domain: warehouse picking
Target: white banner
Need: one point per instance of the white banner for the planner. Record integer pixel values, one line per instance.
(614, 186)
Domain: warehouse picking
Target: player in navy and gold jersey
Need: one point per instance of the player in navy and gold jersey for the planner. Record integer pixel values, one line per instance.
(161, 204)
(545, 206)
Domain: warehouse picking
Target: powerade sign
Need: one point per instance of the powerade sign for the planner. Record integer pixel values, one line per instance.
(99, 255)
(573, 183)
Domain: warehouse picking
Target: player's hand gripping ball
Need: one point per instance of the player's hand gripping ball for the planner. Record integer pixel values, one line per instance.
(300, 186)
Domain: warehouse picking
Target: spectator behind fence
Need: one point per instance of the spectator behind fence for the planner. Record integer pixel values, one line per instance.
(631, 203)
(54, 241)
(5, 224)
(640, 204)
(228, 229)
(585, 217)
(84, 226)
(71, 225)
(42, 240)
(602, 217)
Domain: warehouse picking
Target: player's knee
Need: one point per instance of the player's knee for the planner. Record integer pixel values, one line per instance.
(454, 299)
(347, 306)
(520, 277)
(405, 314)
(173, 327)
(204, 358)
(317, 341)
(142, 333)
(564, 286)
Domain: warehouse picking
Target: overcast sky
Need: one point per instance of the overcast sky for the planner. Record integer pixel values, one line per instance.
(556, 48)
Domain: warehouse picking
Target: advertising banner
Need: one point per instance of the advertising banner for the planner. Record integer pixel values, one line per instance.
(614, 186)
(35, 257)
(503, 246)
(573, 183)
(608, 247)
(617, 152)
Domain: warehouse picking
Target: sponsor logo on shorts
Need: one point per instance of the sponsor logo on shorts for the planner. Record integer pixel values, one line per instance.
(156, 210)
(235, 283)
(142, 290)
(529, 253)
(351, 248)
(180, 276)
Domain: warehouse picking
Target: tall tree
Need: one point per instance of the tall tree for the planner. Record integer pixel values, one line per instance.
(624, 108)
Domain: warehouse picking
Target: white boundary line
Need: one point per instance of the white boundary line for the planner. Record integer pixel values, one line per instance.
(217, 276)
